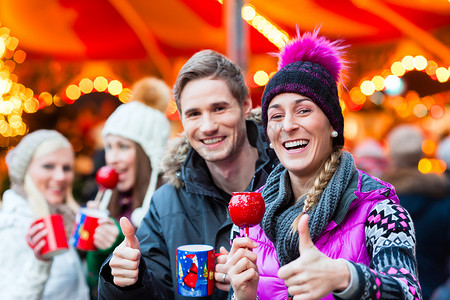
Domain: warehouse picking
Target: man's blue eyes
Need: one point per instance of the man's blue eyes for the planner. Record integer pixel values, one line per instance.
(197, 113)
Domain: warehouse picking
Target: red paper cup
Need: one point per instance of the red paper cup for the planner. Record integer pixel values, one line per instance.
(85, 225)
(195, 270)
(55, 240)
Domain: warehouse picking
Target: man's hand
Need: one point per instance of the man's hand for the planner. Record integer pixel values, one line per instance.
(220, 274)
(126, 257)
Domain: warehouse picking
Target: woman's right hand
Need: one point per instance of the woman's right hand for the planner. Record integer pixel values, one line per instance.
(106, 233)
(36, 239)
(242, 269)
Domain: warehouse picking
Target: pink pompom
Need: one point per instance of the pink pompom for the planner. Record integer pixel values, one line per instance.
(310, 47)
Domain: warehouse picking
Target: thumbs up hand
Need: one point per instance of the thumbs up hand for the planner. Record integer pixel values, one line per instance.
(313, 275)
(126, 257)
(128, 231)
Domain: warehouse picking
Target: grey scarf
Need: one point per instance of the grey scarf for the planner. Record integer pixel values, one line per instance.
(281, 212)
(68, 216)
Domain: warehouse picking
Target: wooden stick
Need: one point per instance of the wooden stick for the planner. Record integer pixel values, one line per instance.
(98, 197)
(105, 200)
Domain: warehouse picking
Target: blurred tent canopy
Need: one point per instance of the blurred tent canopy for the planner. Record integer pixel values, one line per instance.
(68, 40)
(164, 32)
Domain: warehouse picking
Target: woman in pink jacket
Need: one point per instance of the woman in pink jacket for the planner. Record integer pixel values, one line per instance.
(329, 229)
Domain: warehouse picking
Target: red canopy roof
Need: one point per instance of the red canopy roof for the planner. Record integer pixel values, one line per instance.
(102, 29)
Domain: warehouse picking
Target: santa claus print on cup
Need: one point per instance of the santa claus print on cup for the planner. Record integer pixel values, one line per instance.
(195, 270)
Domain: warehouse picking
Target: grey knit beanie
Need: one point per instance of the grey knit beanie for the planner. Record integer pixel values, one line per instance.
(18, 159)
(405, 145)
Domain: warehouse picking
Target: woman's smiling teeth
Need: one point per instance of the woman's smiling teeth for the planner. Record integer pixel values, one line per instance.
(295, 144)
(212, 141)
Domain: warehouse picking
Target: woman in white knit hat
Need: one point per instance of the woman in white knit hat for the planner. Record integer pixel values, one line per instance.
(135, 137)
(41, 174)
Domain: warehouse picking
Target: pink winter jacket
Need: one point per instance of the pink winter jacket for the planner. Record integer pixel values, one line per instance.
(346, 240)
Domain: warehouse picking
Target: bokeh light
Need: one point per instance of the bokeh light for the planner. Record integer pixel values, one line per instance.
(248, 12)
(428, 147)
(367, 87)
(437, 111)
(86, 85)
(442, 74)
(420, 62)
(420, 110)
(398, 69)
(357, 96)
(125, 95)
(394, 85)
(100, 83)
(424, 165)
(73, 92)
(408, 62)
(19, 56)
(378, 81)
(261, 78)
(115, 87)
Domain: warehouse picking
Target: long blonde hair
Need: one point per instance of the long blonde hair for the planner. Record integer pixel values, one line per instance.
(321, 180)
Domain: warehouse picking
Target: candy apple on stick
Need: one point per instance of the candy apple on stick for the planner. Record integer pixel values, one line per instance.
(246, 209)
(106, 178)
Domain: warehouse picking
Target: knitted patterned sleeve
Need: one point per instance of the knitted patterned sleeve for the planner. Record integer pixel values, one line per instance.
(390, 240)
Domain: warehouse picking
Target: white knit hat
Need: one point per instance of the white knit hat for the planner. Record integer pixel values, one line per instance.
(18, 159)
(145, 126)
(142, 124)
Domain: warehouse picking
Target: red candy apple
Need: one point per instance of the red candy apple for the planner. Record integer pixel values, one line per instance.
(246, 209)
(107, 177)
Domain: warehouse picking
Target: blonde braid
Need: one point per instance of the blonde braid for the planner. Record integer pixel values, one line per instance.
(320, 183)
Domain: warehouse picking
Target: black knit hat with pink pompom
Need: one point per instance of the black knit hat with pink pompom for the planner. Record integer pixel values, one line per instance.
(311, 66)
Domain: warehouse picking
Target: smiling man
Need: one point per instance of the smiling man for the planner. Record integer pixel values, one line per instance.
(222, 152)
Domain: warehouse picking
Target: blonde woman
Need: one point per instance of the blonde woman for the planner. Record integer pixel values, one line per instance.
(41, 174)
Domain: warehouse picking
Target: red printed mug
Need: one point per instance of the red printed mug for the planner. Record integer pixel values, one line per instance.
(85, 226)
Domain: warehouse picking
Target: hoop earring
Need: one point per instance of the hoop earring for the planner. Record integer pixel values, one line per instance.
(270, 146)
(334, 133)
